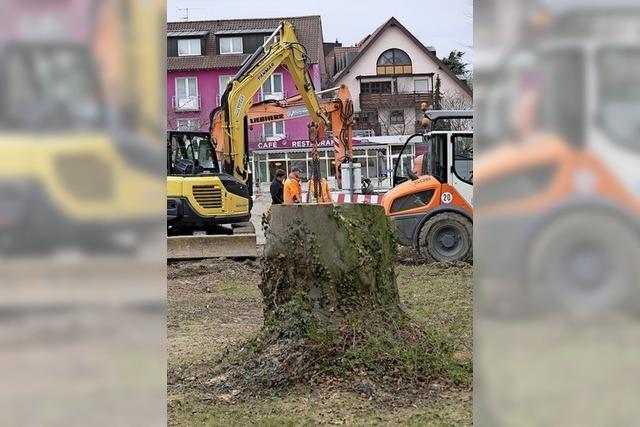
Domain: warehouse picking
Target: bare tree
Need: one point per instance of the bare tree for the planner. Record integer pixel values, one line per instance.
(456, 100)
(394, 123)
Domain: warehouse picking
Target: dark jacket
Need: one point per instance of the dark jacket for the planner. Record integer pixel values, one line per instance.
(277, 192)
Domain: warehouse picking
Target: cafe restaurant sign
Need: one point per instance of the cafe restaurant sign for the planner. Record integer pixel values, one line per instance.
(286, 144)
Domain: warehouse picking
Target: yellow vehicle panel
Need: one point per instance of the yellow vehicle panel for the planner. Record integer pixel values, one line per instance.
(84, 176)
(207, 195)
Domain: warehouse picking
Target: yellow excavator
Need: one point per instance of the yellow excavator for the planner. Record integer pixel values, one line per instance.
(78, 168)
(201, 198)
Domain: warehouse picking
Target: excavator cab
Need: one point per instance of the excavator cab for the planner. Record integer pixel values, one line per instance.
(191, 153)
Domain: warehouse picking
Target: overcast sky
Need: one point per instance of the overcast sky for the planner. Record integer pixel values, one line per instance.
(444, 24)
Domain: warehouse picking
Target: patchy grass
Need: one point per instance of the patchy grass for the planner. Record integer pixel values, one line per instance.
(217, 304)
(333, 408)
(441, 298)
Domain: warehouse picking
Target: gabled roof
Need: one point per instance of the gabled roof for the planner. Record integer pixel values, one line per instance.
(370, 40)
(308, 30)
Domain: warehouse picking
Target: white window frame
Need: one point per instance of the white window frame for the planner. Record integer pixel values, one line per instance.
(194, 97)
(221, 86)
(189, 122)
(231, 52)
(191, 53)
(277, 95)
(276, 136)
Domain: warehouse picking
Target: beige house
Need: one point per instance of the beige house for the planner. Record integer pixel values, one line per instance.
(390, 76)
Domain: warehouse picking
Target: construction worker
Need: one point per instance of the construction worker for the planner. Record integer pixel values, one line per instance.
(292, 188)
(277, 187)
(324, 194)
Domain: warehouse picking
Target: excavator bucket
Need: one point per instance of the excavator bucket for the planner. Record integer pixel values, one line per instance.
(240, 244)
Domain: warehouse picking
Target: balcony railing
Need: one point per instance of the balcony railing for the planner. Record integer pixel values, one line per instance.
(187, 103)
(374, 101)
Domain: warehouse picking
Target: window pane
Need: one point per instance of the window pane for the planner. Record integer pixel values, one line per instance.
(421, 85)
(183, 47)
(273, 166)
(195, 47)
(263, 169)
(266, 87)
(326, 168)
(386, 58)
(397, 117)
(223, 83)
(619, 80)
(193, 90)
(277, 83)
(268, 130)
(400, 57)
(182, 88)
(396, 149)
(237, 44)
(301, 164)
(279, 128)
(225, 45)
(463, 157)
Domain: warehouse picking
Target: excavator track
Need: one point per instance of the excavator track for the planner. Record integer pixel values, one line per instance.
(240, 244)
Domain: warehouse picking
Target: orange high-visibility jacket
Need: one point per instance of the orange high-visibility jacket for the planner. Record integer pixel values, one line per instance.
(325, 193)
(292, 191)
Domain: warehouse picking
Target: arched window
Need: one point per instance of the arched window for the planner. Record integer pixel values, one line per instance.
(394, 61)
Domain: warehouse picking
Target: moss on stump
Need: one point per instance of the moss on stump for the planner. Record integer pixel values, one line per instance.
(328, 260)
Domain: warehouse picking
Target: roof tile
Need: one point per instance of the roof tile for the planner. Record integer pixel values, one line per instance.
(308, 30)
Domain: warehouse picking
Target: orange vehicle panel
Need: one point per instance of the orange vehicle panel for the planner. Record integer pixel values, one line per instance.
(575, 172)
(424, 183)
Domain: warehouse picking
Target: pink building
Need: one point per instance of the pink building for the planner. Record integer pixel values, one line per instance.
(203, 55)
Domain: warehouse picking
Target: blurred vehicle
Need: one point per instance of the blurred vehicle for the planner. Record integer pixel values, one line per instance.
(430, 206)
(558, 195)
(73, 173)
(65, 174)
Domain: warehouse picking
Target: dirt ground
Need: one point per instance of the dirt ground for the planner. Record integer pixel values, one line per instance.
(215, 305)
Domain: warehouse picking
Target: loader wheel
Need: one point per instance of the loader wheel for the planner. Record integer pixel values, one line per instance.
(586, 264)
(446, 237)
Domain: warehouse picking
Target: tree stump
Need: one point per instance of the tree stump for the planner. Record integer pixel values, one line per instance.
(322, 263)
(331, 309)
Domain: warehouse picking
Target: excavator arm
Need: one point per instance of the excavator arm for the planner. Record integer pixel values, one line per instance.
(281, 48)
(290, 108)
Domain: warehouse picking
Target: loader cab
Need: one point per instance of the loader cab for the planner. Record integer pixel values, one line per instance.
(445, 155)
(450, 160)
